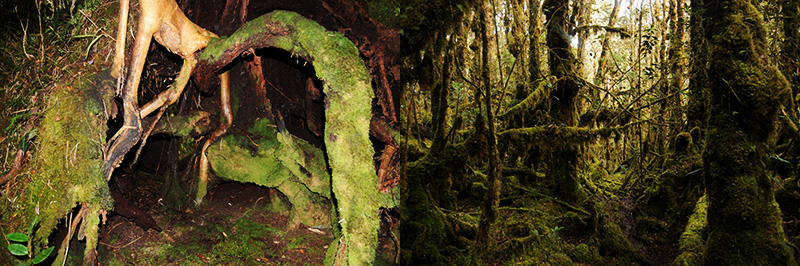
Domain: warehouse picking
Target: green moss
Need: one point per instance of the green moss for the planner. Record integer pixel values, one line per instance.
(276, 160)
(66, 169)
(692, 241)
(613, 242)
(184, 125)
(586, 254)
(744, 223)
(349, 94)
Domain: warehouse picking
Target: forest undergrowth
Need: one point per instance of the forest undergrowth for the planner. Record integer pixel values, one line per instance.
(602, 113)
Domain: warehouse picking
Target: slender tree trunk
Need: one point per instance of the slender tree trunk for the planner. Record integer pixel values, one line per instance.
(698, 91)
(673, 64)
(790, 60)
(489, 209)
(439, 93)
(534, 69)
(581, 14)
(601, 64)
(746, 88)
(564, 159)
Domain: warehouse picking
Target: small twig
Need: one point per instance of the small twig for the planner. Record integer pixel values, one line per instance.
(123, 246)
(555, 200)
(95, 25)
(15, 169)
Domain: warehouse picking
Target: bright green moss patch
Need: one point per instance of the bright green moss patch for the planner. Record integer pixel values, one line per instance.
(270, 159)
(692, 241)
(66, 166)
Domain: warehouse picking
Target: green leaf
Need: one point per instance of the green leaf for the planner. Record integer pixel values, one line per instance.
(17, 237)
(18, 249)
(33, 223)
(88, 49)
(42, 255)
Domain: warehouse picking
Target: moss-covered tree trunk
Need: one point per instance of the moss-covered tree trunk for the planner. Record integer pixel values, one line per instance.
(534, 70)
(440, 186)
(489, 209)
(564, 159)
(790, 59)
(746, 89)
(440, 90)
(349, 95)
(697, 104)
(674, 64)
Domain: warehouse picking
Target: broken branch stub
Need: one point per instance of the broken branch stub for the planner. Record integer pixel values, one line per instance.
(347, 118)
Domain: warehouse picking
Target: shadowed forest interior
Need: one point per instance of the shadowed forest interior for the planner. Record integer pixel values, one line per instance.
(610, 132)
(402, 132)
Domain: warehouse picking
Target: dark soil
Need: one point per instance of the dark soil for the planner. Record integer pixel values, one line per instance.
(237, 224)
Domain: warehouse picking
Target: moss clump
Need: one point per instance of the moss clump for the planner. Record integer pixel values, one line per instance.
(270, 159)
(692, 241)
(586, 254)
(613, 242)
(67, 167)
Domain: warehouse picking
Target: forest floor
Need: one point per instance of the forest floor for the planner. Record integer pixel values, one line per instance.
(658, 246)
(238, 224)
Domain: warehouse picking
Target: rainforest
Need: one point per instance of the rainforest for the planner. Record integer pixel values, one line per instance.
(400, 132)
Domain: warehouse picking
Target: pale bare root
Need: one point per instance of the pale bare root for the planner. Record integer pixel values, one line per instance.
(225, 100)
(163, 21)
(119, 53)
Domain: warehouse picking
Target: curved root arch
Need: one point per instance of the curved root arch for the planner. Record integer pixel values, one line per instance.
(348, 112)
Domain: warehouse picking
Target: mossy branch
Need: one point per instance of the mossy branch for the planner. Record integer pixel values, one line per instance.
(541, 93)
(692, 239)
(569, 206)
(565, 134)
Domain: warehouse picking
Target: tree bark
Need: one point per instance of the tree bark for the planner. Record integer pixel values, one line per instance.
(601, 64)
(563, 103)
(492, 199)
(698, 100)
(440, 90)
(746, 89)
(790, 60)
